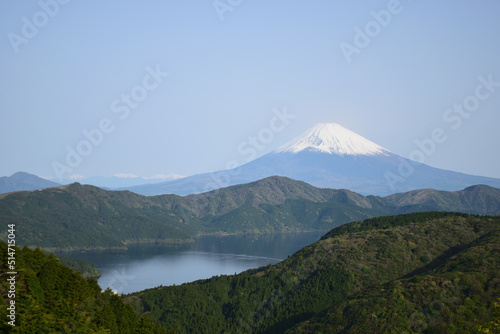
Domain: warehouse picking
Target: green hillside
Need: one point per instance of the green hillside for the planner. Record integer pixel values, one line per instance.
(458, 292)
(84, 267)
(425, 272)
(51, 298)
(91, 218)
(431, 272)
(479, 199)
(86, 217)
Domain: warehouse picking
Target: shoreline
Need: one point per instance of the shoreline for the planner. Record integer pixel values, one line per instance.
(166, 242)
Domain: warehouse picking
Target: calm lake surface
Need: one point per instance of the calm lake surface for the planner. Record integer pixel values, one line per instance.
(147, 266)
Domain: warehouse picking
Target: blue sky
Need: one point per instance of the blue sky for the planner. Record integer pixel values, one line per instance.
(68, 67)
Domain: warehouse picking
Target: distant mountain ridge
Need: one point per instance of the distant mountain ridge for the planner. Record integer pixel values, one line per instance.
(85, 217)
(120, 181)
(328, 156)
(474, 199)
(24, 181)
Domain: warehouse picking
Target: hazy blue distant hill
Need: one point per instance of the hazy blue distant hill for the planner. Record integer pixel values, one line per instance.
(117, 181)
(24, 181)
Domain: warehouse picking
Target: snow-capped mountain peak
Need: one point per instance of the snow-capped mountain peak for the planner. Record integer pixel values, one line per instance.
(332, 138)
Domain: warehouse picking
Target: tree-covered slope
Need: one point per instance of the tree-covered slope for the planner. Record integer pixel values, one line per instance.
(456, 293)
(51, 298)
(84, 267)
(386, 259)
(478, 199)
(272, 191)
(87, 217)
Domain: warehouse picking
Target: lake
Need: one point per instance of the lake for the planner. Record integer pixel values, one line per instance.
(147, 266)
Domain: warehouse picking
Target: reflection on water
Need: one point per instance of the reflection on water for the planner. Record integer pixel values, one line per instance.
(147, 266)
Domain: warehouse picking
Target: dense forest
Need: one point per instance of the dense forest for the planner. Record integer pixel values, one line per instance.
(84, 267)
(432, 272)
(51, 298)
(84, 217)
(416, 273)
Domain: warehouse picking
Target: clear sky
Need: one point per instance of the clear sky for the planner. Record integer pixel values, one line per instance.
(392, 71)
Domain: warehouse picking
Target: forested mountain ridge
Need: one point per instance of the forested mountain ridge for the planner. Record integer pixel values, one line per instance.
(92, 218)
(456, 292)
(87, 217)
(423, 272)
(271, 191)
(480, 199)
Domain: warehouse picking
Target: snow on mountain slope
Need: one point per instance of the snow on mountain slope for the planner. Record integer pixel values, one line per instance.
(329, 156)
(332, 138)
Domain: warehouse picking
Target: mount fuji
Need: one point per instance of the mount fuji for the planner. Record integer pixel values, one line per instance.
(328, 156)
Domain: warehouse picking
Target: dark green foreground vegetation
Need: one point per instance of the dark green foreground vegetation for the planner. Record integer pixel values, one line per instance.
(84, 267)
(51, 298)
(417, 273)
